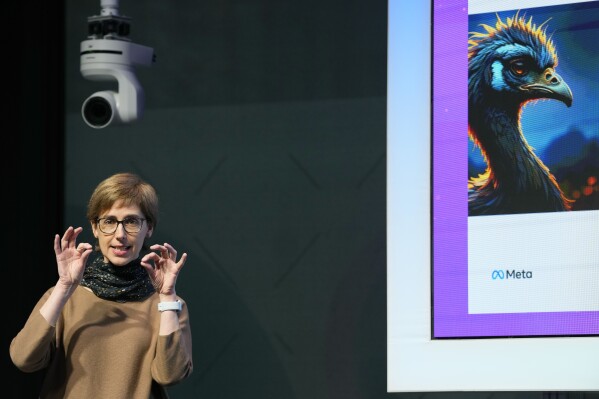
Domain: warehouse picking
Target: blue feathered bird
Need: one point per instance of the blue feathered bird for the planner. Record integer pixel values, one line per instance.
(509, 65)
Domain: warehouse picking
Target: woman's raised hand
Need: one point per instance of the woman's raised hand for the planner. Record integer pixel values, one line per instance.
(70, 257)
(165, 268)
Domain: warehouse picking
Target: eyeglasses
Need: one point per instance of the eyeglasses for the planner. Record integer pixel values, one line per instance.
(131, 224)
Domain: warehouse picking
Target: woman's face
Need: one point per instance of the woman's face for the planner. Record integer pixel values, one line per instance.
(121, 246)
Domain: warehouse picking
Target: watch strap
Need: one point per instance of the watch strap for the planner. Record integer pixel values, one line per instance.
(162, 306)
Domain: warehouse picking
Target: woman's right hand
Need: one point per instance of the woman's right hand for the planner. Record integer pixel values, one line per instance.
(70, 257)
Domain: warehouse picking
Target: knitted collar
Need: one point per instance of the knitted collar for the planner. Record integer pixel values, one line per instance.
(127, 283)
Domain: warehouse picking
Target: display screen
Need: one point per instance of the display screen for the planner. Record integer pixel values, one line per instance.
(515, 170)
(492, 195)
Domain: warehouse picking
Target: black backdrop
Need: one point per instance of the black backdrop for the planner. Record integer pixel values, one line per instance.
(32, 165)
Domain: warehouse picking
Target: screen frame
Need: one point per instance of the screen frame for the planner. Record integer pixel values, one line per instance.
(415, 362)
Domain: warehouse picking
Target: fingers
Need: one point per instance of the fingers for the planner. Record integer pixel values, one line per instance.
(183, 258)
(167, 251)
(68, 240)
(57, 248)
(170, 248)
(66, 237)
(144, 263)
(85, 253)
(70, 236)
(84, 246)
(151, 256)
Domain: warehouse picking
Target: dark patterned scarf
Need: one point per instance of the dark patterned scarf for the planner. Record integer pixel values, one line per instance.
(127, 283)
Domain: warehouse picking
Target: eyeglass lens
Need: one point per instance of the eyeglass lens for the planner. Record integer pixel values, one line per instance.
(110, 224)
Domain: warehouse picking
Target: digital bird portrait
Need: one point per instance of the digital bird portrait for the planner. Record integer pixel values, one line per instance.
(527, 156)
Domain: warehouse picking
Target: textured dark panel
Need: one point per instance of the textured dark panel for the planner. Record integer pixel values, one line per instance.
(282, 210)
(233, 52)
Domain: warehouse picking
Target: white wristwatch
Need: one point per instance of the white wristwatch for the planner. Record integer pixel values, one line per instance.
(162, 306)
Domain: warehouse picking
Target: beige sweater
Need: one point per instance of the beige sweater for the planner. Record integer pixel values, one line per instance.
(104, 349)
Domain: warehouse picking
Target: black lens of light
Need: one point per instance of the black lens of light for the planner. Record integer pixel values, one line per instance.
(97, 111)
(94, 28)
(110, 26)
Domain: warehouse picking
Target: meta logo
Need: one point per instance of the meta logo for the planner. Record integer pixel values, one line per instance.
(498, 274)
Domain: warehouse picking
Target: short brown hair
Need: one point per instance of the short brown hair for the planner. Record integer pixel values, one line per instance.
(126, 187)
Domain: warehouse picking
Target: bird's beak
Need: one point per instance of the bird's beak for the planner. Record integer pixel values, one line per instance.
(550, 85)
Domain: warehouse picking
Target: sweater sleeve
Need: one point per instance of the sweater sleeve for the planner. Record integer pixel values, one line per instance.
(173, 360)
(33, 346)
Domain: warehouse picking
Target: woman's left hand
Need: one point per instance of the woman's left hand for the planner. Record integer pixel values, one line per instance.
(165, 268)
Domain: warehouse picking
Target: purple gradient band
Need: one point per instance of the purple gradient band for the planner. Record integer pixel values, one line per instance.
(449, 201)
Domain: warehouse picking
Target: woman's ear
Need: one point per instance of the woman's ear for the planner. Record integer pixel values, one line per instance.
(94, 229)
(150, 231)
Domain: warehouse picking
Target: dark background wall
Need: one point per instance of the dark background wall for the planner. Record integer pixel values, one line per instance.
(264, 133)
(32, 165)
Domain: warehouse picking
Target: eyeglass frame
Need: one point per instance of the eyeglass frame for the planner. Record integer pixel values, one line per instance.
(142, 220)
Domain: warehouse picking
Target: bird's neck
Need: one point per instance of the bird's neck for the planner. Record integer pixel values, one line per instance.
(511, 161)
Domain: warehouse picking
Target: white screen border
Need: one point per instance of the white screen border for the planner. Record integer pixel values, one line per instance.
(415, 363)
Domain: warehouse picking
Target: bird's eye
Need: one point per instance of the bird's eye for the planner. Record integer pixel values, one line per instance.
(519, 67)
